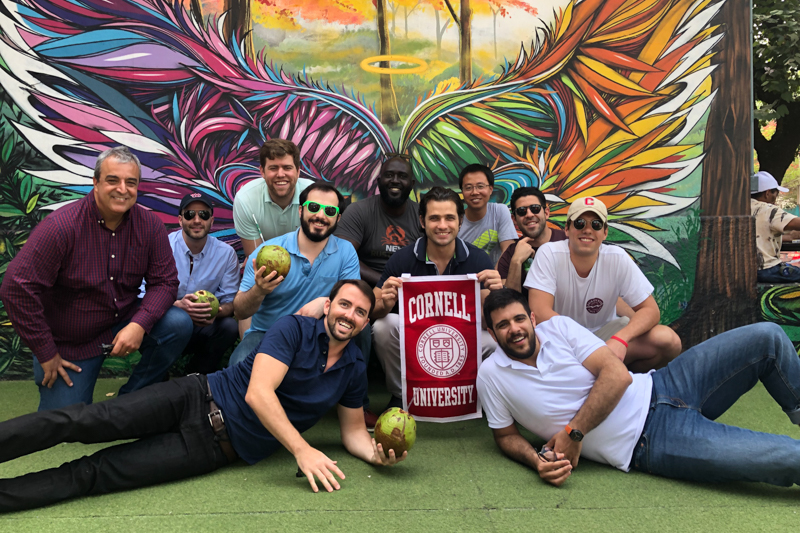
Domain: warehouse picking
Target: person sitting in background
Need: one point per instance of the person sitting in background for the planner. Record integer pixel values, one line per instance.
(771, 224)
(487, 225)
(530, 211)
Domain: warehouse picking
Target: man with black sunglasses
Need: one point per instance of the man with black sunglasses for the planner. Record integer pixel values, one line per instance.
(530, 212)
(204, 263)
(318, 261)
(582, 278)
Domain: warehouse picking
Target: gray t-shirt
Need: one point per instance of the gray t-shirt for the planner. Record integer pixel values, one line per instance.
(377, 234)
(487, 233)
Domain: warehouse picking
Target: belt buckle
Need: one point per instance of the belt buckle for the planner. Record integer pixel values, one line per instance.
(211, 419)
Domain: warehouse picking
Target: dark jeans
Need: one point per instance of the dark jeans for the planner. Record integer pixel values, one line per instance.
(680, 438)
(209, 343)
(170, 420)
(780, 273)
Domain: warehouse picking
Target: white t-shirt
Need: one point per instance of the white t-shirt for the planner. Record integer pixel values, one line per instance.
(487, 233)
(590, 301)
(545, 398)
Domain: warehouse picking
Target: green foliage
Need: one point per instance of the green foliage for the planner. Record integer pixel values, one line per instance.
(776, 55)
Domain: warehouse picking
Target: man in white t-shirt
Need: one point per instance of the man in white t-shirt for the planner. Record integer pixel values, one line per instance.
(487, 225)
(563, 384)
(582, 278)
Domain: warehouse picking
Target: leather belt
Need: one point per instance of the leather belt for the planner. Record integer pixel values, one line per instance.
(217, 422)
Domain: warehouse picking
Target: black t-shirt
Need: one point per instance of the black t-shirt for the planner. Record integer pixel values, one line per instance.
(377, 234)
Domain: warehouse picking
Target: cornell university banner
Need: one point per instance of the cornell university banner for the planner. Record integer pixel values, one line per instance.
(440, 336)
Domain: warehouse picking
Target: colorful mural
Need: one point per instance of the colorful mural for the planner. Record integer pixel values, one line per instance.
(609, 98)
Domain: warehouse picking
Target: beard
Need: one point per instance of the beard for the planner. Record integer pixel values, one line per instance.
(391, 201)
(514, 353)
(535, 234)
(305, 225)
(332, 329)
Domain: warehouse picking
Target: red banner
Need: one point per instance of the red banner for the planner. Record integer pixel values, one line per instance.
(440, 346)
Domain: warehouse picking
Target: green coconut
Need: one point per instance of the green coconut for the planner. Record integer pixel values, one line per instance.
(275, 258)
(396, 430)
(209, 298)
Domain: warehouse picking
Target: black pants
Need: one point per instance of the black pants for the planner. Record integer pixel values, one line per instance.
(170, 420)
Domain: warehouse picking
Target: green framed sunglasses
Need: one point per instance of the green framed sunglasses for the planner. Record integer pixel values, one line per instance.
(330, 210)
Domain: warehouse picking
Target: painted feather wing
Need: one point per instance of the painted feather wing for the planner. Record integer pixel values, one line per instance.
(143, 73)
(602, 106)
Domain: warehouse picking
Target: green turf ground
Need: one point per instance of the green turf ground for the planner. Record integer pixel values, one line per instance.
(454, 480)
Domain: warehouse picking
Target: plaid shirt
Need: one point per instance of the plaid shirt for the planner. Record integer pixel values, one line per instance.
(75, 279)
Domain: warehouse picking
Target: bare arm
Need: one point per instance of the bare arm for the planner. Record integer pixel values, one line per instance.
(248, 246)
(267, 375)
(358, 442)
(522, 253)
(793, 225)
(246, 303)
(611, 381)
(516, 447)
(541, 304)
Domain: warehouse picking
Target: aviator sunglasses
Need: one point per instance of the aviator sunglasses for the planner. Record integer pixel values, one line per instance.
(330, 210)
(189, 215)
(579, 224)
(521, 210)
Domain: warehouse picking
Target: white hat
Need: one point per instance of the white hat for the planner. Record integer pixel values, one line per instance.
(589, 203)
(766, 183)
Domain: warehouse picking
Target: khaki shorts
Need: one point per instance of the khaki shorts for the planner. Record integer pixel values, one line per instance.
(611, 329)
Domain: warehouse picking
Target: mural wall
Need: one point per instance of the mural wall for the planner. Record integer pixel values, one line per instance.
(606, 98)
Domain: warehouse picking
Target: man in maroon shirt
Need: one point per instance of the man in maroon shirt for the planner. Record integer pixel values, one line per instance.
(71, 292)
(530, 211)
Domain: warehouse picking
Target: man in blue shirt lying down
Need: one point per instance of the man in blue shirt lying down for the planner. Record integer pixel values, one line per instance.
(196, 424)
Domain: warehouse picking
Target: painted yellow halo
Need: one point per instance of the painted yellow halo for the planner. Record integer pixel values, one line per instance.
(422, 65)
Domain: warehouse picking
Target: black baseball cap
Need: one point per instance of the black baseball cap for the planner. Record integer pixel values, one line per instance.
(196, 197)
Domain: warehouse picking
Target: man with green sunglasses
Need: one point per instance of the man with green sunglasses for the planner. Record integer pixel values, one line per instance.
(318, 261)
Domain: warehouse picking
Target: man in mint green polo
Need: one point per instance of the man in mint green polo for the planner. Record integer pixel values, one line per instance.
(319, 260)
(265, 209)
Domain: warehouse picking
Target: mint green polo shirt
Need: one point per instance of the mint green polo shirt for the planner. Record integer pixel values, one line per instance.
(253, 199)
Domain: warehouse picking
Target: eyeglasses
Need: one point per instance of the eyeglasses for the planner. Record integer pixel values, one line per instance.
(523, 209)
(330, 210)
(481, 187)
(189, 215)
(579, 224)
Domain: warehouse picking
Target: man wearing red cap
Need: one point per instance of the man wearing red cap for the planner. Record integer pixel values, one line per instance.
(600, 287)
(771, 223)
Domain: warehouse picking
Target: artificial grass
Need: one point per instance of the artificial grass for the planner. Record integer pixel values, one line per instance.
(455, 479)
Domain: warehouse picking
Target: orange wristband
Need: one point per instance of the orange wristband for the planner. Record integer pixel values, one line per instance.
(619, 340)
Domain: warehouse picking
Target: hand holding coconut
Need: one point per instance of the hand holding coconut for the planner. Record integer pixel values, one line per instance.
(199, 307)
(265, 280)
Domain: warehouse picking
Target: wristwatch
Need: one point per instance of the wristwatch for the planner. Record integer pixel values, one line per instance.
(574, 434)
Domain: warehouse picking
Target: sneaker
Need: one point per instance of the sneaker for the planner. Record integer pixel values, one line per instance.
(370, 419)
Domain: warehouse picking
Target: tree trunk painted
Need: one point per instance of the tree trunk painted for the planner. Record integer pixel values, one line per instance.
(197, 12)
(465, 32)
(726, 262)
(238, 21)
(389, 112)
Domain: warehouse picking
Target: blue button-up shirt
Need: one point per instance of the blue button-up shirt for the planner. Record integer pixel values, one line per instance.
(215, 269)
(306, 393)
(305, 282)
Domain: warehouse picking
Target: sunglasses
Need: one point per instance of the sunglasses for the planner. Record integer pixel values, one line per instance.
(330, 210)
(394, 155)
(189, 215)
(521, 210)
(579, 224)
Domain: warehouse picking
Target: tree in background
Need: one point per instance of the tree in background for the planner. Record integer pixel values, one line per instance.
(409, 6)
(776, 57)
(500, 7)
(389, 112)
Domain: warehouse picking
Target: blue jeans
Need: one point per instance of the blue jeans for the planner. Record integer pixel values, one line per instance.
(781, 273)
(160, 349)
(680, 438)
(250, 342)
